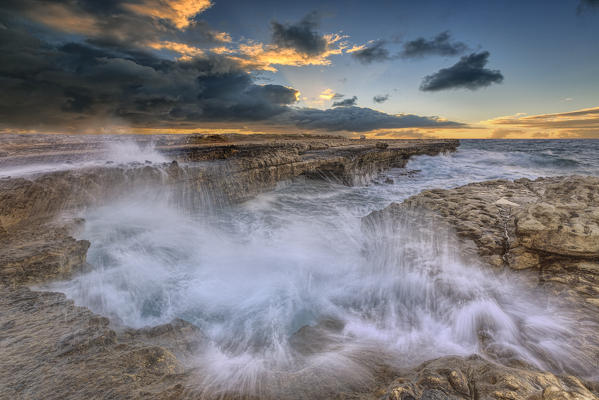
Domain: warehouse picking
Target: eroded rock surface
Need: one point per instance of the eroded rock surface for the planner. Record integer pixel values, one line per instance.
(522, 223)
(475, 378)
(206, 173)
(52, 349)
(41, 254)
(548, 226)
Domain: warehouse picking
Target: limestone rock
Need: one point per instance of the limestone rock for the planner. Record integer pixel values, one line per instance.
(40, 254)
(523, 223)
(475, 378)
(548, 226)
(53, 349)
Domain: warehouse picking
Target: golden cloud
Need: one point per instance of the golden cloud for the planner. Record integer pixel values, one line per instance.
(179, 12)
(577, 123)
(327, 94)
(355, 48)
(250, 55)
(266, 57)
(70, 19)
(222, 37)
(186, 51)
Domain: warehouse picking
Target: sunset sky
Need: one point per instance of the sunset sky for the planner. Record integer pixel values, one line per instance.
(387, 69)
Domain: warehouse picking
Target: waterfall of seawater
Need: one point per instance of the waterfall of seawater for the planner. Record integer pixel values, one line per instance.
(292, 290)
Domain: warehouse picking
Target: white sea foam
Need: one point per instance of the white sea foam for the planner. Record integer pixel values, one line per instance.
(252, 277)
(118, 153)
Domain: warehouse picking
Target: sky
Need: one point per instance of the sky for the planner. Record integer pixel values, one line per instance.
(384, 69)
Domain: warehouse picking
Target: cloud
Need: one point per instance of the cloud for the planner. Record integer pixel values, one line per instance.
(403, 134)
(130, 21)
(577, 123)
(506, 133)
(329, 94)
(587, 5)
(111, 64)
(356, 119)
(380, 98)
(468, 73)
(175, 27)
(346, 103)
(375, 51)
(584, 118)
(71, 84)
(186, 51)
(179, 12)
(260, 56)
(301, 36)
(440, 45)
(296, 44)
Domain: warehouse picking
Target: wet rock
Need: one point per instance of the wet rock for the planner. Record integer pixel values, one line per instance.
(237, 171)
(475, 378)
(570, 229)
(53, 349)
(549, 225)
(40, 254)
(520, 223)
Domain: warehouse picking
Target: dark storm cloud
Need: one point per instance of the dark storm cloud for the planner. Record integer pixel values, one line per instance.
(346, 102)
(439, 45)
(380, 98)
(93, 66)
(61, 84)
(301, 36)
(276, 94)
(113, 20)
(468, 73)
(356, 119)
(587, 5)
(374, 52)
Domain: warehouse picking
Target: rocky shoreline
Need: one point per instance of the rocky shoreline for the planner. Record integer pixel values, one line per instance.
(54, 349)
(546, 230)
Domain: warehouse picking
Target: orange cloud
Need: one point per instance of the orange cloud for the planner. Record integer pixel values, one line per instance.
(186, 51)
(327, 94)
(250, 55)
(582, 123)
(71, 19)
(577, 123)
(355, 48)
(266, 57)
(222, 50)
(222, 37)
(179, 12)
